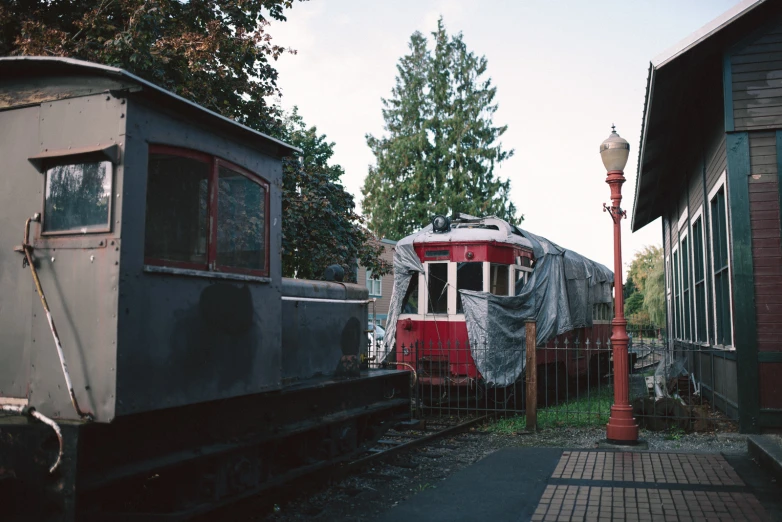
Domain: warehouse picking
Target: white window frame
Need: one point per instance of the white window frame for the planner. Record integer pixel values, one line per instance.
(370, 281)
(668, 289)
(682, 236)
(518, 268)
(423, 297)
(675, 275)
(451, 291)
(721, 182)
(695, 217)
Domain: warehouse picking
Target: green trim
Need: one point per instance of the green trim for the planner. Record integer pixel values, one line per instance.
(770, 357)
(771, 418)
(727, 91)
(779, 175)
(742, 282)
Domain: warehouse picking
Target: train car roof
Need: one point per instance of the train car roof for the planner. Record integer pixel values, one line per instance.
(53, 67)
(475, 230)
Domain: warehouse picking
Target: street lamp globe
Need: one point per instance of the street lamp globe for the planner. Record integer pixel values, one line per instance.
(614, 152)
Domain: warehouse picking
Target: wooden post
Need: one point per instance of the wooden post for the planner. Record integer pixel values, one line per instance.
(532, 377)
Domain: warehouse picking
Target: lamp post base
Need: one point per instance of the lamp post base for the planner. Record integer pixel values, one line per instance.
(621, 425)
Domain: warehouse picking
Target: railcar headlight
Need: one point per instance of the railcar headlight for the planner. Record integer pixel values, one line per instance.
(441, 224)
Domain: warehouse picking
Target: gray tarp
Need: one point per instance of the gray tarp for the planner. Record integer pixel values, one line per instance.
(559, 295)
(406, 265)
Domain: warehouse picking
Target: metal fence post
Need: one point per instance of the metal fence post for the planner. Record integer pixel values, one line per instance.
(532, 376)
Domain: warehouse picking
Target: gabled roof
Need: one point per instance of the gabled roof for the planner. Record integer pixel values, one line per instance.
(16, 66)
(678, 76)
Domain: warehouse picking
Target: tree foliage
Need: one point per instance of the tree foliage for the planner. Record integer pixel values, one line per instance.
(216, 53)
(320, 224)
(645, 288)
(441, 146)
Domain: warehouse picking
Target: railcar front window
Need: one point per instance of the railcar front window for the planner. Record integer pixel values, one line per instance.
(241, 224)
(438, 288)
(469, 276)
(77, 198)
(177, 195)
(410, 302)
(499, 275)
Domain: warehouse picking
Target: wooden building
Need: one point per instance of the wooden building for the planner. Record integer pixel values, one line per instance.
(380, 288)
(709, 165)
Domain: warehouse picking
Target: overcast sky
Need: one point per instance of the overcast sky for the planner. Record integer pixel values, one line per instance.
(564, 72)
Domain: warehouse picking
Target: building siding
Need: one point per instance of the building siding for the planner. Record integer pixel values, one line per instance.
(386, 283)
(756, 70)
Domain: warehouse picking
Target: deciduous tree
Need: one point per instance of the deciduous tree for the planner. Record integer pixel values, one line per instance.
(320, 224)
(216, 53)
(441, 146)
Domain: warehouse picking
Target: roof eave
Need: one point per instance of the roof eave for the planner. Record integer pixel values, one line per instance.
(285, 148)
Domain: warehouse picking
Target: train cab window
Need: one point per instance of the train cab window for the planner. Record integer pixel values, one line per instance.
(498, 279)
(204, 214)
(469, 276)
(77, 198)
(437, 285)
(177, 195)
(241, 221)
(410, 302)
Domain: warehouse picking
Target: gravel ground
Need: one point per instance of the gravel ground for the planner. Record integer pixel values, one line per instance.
(365, 495)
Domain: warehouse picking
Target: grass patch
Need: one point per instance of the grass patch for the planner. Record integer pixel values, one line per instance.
(590, 409)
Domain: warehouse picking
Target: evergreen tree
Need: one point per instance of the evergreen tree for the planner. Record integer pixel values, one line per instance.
(441, 148)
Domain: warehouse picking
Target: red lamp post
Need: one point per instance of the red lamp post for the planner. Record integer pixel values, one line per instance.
(621, 427)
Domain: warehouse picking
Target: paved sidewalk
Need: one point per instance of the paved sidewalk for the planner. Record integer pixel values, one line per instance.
(547, 484)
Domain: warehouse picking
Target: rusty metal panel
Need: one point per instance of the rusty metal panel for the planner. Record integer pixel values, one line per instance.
(187, 338)
(79, 274)
(20, 196)
(22, 91)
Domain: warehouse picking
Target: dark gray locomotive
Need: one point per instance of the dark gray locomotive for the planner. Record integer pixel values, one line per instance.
(152, 358)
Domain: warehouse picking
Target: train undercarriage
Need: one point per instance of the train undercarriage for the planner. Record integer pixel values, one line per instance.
(178, 463)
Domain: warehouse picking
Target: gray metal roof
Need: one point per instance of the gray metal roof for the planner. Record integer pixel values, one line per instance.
(671, 79)
(45, 64)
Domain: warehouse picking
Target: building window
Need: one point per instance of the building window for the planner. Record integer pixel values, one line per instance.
(721, 267)
(77, 198)
(204, 213)
(437, 286)
(469, 276)
(374, 285)
(699, 278)
(677, 307)
(685, 290)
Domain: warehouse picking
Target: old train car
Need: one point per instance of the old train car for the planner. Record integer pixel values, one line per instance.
(153, 359)
(491, 256)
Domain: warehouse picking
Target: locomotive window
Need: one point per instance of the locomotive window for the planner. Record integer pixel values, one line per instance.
(205, 214)
(438, 288)
(241, 221)
(469, 276)
(77, 198)
(410, 302)
(177, 194)
(499, 279)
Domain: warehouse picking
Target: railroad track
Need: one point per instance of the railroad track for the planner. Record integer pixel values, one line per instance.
(395, 442)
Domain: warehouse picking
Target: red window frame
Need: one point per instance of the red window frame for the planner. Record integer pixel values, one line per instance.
(211, 211)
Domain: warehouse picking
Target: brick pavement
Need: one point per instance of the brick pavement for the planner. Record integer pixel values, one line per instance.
(594, 486)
